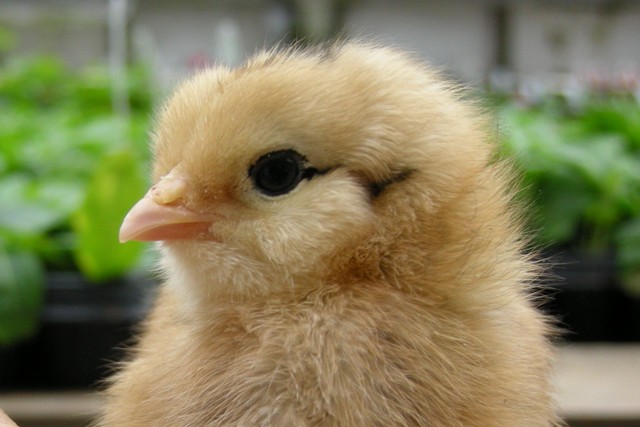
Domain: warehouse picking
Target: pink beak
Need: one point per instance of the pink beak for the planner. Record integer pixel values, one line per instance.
(159, 215)
(148, 221)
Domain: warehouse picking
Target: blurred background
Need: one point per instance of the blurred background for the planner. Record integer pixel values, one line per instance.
(79, 82)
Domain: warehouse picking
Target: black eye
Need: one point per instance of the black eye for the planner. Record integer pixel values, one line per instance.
(278, 172)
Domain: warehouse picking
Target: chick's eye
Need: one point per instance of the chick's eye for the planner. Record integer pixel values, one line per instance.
(278, 172)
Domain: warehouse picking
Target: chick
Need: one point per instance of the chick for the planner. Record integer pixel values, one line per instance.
(339, 248)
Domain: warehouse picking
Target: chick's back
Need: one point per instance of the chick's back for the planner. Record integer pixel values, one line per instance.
(361, 261)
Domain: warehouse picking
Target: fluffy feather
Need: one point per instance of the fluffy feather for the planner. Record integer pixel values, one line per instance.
(388, 288)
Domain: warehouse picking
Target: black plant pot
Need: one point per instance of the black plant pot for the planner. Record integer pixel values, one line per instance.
(629, 318)
(585, 297)
(85, 328)
(9, 365)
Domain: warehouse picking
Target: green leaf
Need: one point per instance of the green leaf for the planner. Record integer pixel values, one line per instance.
(618, 116)
(22, 211)
(21, 294)
(114, 188)
(560, 204)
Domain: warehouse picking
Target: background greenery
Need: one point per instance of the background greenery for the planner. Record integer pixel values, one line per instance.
(70, 168)
(581, 173)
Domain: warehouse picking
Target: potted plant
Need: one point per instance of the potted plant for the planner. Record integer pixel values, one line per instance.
(69, 170)
(581, 178)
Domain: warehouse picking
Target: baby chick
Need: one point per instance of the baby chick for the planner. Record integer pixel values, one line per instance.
(339, 248)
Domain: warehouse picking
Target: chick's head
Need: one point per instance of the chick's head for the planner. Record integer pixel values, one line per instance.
(302, 164)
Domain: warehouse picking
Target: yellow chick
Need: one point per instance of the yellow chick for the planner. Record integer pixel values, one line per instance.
(339, 248)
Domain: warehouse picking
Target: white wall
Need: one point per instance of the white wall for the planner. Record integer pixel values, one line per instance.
(455, 35)
(549, 39)
(175, 35)
(78, 34)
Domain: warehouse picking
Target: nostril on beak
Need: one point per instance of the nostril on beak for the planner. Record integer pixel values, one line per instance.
(170, 190)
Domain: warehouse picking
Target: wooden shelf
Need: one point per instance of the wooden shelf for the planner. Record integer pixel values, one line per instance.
(51, 408)
(599, 381)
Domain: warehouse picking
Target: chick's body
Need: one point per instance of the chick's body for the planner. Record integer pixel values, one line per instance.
(340, 251)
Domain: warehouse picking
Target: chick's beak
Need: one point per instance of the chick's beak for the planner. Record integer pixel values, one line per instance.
(160, 215)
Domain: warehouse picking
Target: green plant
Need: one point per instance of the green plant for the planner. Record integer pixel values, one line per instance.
(581, 174)
(69, 168)
(113, 189)
(21, 277)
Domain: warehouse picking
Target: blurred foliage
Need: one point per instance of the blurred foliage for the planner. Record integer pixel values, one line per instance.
(581, 173)
(69, 169)
(21, 294)
(113, 189)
